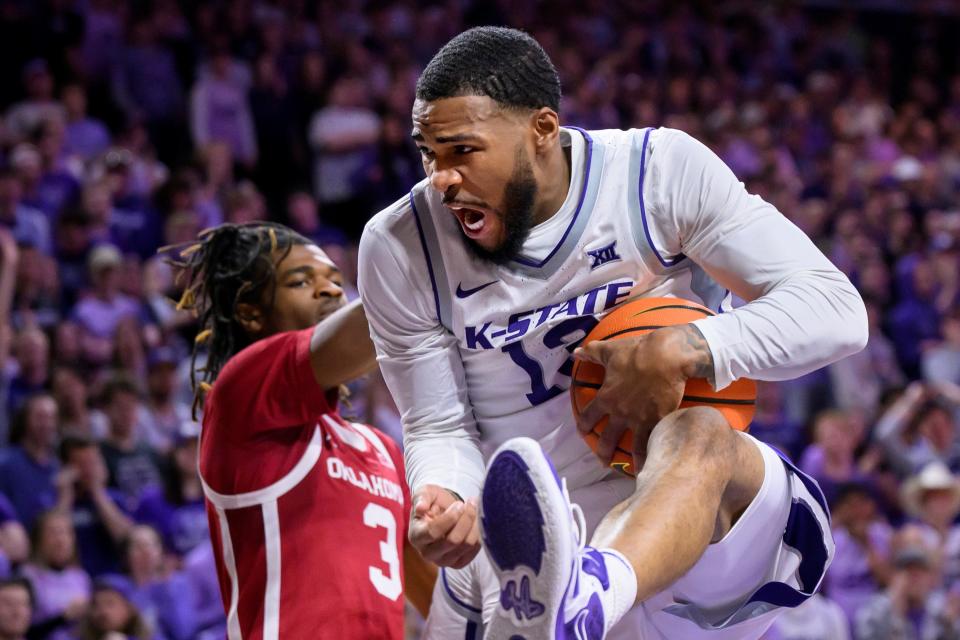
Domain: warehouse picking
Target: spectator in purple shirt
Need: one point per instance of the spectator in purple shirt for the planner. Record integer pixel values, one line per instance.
(30, 226)
(113, 614)
(162, 414)
(915, 321)
(220, 109)
(165, 600)
(86, 137)
(135, 226)
(31, 375)
(99, 313)
(177, 509)
(99, 514)
(830, 459)
(58, 184)
(73, 242)
(29, 470)
(860, 565)
(62, 588)
(200, 567)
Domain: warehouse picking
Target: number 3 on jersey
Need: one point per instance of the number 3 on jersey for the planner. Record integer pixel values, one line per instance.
(389, 586)
(558, 336)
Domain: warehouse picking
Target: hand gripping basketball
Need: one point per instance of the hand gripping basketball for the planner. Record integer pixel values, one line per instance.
(625, 369)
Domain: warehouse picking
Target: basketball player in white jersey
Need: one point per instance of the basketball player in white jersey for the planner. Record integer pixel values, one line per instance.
(479, 285)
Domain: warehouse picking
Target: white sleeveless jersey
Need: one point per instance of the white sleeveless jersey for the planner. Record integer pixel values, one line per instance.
(475, 353)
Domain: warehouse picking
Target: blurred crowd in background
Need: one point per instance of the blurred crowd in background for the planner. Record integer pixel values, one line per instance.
(127, 126)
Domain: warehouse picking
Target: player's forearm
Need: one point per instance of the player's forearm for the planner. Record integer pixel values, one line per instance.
(807, 321)
(340, 349)
(452, 461)
(419, 577)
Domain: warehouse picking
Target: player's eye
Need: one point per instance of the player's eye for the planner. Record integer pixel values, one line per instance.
(295, 284)
(463, 149)
(425, 152)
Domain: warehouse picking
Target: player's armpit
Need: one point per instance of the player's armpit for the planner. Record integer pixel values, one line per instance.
(419, 577)
(340, 349)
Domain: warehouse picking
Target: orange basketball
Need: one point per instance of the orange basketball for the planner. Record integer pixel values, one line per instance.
(736, 402)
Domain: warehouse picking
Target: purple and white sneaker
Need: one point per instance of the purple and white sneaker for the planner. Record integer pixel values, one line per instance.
(551, 584)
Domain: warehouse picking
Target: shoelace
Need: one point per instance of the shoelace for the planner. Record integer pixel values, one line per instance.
(580, 526)
(578, 518)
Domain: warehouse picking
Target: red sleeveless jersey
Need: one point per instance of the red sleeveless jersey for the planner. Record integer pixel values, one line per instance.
(308, 512)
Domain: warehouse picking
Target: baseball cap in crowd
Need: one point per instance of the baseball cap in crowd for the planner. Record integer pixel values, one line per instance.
(104, 256)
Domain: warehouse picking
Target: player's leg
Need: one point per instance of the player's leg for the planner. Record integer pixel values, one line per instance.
(773, 558)
(455, 611)
(699, 476)
(463, 602)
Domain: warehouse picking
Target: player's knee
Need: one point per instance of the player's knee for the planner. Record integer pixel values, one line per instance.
(699, 435)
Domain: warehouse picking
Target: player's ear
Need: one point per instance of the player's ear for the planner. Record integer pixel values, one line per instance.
(546, 128)
(250, 317)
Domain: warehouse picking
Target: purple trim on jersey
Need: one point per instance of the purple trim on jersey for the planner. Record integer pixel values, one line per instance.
(804, 534)
(667, 262)
(473, 631)
(726, 292)
(426, 254)
(446, 586)
(811, 485)
(583, 193)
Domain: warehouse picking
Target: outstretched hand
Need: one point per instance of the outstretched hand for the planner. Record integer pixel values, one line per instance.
(643, 381)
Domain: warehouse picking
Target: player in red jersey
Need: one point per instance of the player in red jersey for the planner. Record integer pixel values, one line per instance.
(308, 511)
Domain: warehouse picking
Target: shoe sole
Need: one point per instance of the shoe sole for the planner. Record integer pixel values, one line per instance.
(527, 536)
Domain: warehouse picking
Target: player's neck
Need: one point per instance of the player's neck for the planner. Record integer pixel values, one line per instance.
(553, 192)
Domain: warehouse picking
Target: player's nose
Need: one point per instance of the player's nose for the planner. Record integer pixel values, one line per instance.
(327, 289)
(443, 179)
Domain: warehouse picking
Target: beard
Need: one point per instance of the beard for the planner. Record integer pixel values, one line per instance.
(516, 215)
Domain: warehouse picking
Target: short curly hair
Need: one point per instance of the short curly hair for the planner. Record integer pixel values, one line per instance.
(506, 65)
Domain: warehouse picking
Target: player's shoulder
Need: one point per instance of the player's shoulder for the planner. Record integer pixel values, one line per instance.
(395, 222)
(620, 137)
(666, 142)
(249, 364)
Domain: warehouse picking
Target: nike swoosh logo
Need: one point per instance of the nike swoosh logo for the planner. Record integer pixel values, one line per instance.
(466, 293)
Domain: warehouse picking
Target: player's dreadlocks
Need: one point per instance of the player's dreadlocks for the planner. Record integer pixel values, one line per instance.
(230, 264)
(503, 64)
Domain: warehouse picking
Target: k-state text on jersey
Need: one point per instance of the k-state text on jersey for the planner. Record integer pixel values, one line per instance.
(492, 335)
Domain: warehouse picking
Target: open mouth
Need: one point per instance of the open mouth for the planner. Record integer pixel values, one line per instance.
(473, 220)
